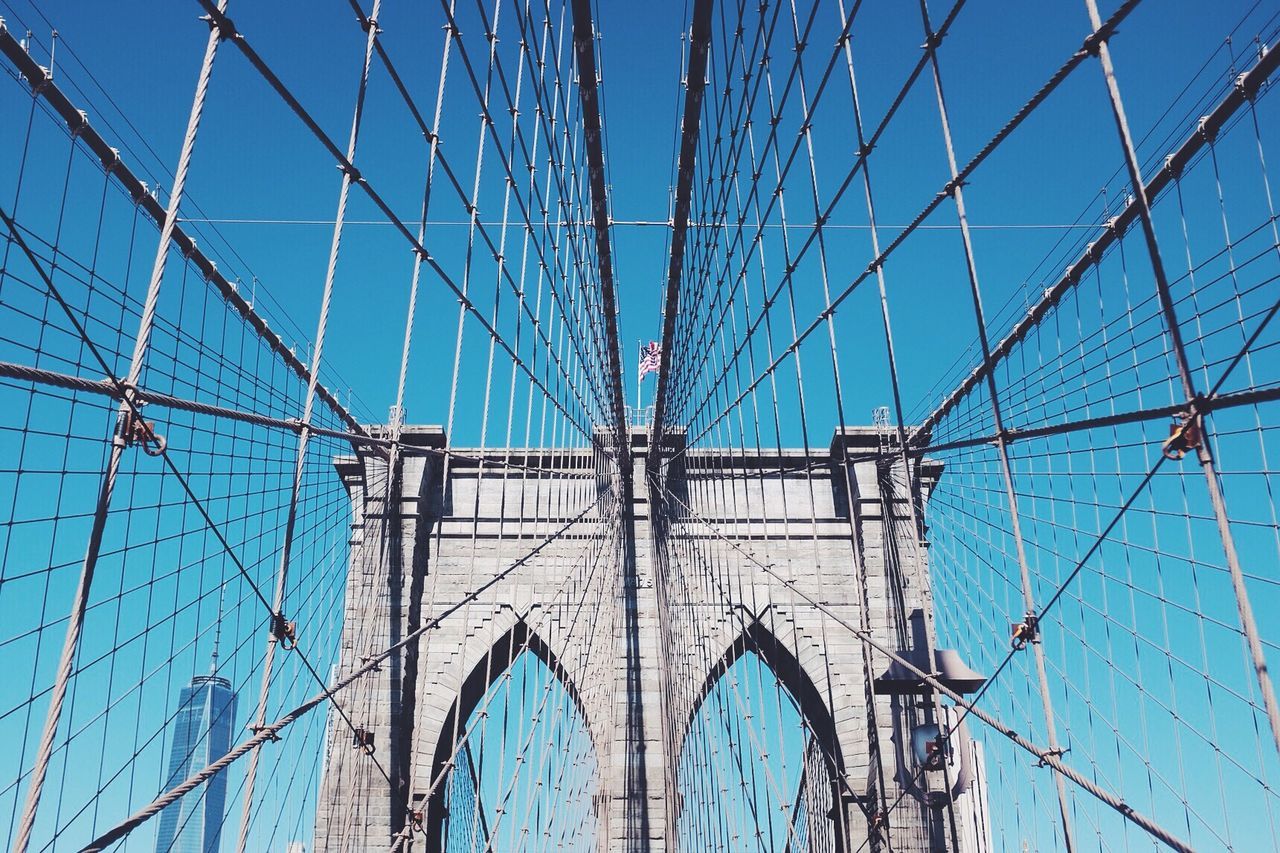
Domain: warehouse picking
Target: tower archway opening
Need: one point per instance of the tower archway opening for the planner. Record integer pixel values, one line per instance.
(520, 768)
(755, 771)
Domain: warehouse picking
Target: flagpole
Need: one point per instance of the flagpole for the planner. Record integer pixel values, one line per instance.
(639, 379)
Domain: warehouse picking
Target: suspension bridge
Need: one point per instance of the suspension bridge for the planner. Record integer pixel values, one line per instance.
(949, 523)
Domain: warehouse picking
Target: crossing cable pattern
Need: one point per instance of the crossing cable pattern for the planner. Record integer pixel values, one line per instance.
(420, 637)
(232, 420)
(130, 429)
(1041, 435)
(1121, 519)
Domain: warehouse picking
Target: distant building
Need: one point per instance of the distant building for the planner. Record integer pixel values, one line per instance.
(201, 735)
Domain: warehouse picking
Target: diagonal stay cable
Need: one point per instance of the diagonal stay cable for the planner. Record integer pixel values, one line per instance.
(1246, 88)
(303, 440)
(271, 730)
(1045, 757)
(1198, 408)
(135, 409)
(230, 33)
(969, 707)
(78, 124)
(963, 173)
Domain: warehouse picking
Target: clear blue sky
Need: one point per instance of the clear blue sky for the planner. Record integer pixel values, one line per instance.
(254, 161)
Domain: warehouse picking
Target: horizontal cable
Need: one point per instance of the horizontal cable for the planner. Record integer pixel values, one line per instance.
(229, 32)
(1246, 87)
(1205, 405)
(43, 86)
(270, 731)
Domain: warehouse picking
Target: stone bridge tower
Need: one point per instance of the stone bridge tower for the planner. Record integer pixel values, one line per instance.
(836, 527)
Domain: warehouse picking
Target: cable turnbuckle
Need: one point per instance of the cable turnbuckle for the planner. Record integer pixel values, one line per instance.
(284, 631)
(1185, 434)
(132, 430)
(1024, 632)
(417, 815)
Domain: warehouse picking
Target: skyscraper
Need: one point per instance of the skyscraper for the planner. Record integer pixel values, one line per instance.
(202, 734)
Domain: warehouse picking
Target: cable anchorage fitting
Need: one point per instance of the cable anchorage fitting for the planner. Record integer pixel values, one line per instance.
(935, 755)
(222, 23)
(284, 631)
(417, 814)
(271, 733)
(1024, 632)
(132, 430)
(1185, 434)
(1093, 42)
(1054, 753)
(362, 740)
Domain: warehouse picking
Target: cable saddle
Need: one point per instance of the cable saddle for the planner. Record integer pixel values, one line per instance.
(271, 733)
(362, 740)
(1043, 761)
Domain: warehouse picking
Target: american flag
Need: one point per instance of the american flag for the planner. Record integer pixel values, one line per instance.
(650, 357)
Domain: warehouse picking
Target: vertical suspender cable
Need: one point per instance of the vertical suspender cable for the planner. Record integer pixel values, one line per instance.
(348, 176)
(140, 347)
(695, 81)
(956, 191)
(1247, 622)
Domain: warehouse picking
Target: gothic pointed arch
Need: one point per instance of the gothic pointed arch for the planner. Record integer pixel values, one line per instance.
(491, 666)
(821, 758)
(783, 661)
